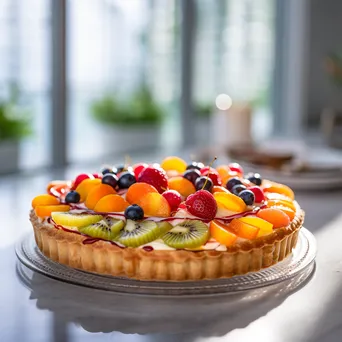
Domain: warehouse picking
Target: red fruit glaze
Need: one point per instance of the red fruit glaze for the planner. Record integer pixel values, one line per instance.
(137, 168)
(202, 204)
(80, 178)
(174, 198)
(258, 193)
(236, 167)
(154, 177)
(205, 170)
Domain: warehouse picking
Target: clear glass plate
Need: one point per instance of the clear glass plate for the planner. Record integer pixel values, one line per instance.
(300, 263)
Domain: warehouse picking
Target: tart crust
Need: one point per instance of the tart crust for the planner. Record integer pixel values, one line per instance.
(164, 265)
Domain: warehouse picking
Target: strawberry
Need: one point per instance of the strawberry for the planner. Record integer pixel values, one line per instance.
(80, 178)
(137, 168)
(202, 204)
(174, 198)
(155, 177)
(258, 193)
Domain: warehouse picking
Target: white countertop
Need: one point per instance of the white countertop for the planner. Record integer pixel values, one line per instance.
(49, 310)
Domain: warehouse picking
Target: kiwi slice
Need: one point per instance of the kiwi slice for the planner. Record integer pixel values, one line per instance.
(138, 233)
(188, 234)
(75, 220)
(104, 229)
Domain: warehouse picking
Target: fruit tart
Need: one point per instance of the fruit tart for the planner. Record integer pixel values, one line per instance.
(172, 221)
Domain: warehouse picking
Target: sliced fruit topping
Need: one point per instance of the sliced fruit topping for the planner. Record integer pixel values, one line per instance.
(275, 196)
(111, 203)
(195, 165)
(154, 204)
(173, 163)
(247, 196)
(155, 177)
(134, 212)
(281, 202)
(182, 185)
(265, 227)
(75, 220)
(72, 197)
(96, 193)
(188, 234)
(60, 184)
(202, 204)
(137, 191)
(84, 188)
(103, 229)
(80, 178)
(217, 188)
(220, 233)
(137, 168)
(126, 179)
(174, 199)
(243, 230)
(232, 182)
(110, 179)
(258, 194)
(47, 210)
(254, 178)
(191, 175)
(204, 183)
(275, 216)
(289, 212)
(44, 199)
(223, 171)
(115, 225)
(230, 202)
(236, 167)
(135, 234)
(278, 188)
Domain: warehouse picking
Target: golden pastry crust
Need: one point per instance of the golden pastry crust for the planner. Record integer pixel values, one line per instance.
(164, 265)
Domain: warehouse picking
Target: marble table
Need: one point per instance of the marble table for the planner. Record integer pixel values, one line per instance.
(43, 309)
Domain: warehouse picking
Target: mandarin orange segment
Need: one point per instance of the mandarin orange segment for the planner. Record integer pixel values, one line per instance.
(173, 163)
(283, 203)
(219, 232)
(182, 185)
(111, 203)
(275, 216)
(44, 199)
(96, 193)
(154, 204)
(229, 201)
(288, 211)
(84, 188)
(137, 191)
(278, 188)
(217, 188)
(243, 230)
(46, 210)
(265, 227)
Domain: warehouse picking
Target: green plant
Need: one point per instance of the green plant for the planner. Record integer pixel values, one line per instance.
(203, 110)
(14, 120)
(140, 109)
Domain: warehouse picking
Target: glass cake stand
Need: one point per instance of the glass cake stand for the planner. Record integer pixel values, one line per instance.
(299, 266)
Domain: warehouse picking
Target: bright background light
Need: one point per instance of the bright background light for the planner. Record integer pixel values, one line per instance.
(223, 102)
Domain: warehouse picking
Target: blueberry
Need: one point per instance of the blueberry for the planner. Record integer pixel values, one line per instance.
(232, 182)
(247, 196)
(120, 168)
(237, 189)
(195, 166)
(200, 181)
(254, 178)
(72, 197)
(126, 179)
(110, 179)
(112, 170)
(134, 212)
(192, 175)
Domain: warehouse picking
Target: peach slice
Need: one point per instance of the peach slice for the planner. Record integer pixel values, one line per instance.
(266, 228)
(96, 193)
(217, 188)
(111, 203)
(154, 204)
(137, 191)
(58, 183)
(173, 163)
(243, 230)
(46, 210)
(288, 211)
(283, 203)
(275, 216)
(229, 201)
(84, 188)
(182, 185)
(278, 188)
(275, 196)
(219, 232)
(44, 199)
